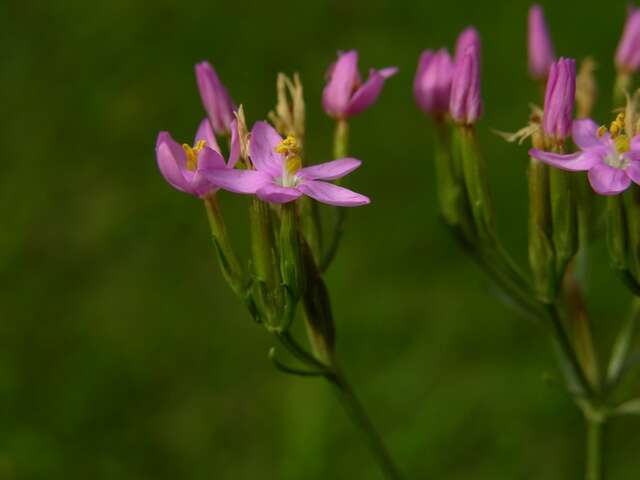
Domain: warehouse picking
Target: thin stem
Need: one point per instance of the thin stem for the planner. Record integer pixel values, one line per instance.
(340, 149)
(568, 353)
(359, 416)
(594, 460)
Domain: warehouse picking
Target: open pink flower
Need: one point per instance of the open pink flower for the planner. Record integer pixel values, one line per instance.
(278, 178)
(345, 95)
(188, 168)
(613, 161)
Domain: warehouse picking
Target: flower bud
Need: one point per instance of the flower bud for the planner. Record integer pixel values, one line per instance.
(628, 52)
(467, 38)
(559, 99)
(215, 98)
(465, 104)
(541, 54)
(432, 84)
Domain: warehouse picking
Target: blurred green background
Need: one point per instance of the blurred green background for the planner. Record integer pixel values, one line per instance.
(124, 355)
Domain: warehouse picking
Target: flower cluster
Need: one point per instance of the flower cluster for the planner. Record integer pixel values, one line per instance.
(445, 86)
(272, 172)
(288, 254)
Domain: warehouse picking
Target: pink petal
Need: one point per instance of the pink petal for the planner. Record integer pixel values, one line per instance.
(210, 159)
(585, 134)
(205, 132)
(172, 162)
(264, 140)
(238, 181)
(635, 143)
(330, 170)
(234, 152)
(607, 180)
(332, 194)
(633, 171)
(368, 93)
(273, 193)
(573, 162)
(337, 93)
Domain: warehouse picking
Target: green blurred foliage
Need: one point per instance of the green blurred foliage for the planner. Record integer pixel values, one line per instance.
(123, 355)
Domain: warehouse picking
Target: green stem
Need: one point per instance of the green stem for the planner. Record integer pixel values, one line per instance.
(340, 149)
(569, 357)
(229, 263)
(594, 460)
(359, 416)
(341, 139)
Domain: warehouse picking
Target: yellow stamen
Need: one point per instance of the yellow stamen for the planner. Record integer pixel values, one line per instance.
(622, 143)
(602, 130)
(192, 154)
(288, 146)
(617, 126)
(293, 164)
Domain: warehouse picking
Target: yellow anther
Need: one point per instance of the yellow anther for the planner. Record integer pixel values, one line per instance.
(617, 126)
(192, 154)
(602, 130)
(622, 143)
(293, 164)
(288, 146)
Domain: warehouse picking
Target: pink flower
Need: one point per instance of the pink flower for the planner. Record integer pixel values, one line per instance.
(465, 104)
(613, 161)
(279, 178)
(467, 38)
(215, 98)
(628, 52)
(432, 83)
(540, 48)
(345, 95)
(560, 98)
(186, 168)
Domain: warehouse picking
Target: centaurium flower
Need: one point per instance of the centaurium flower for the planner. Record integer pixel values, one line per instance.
(610, 156)
(628, 52)
(467, 38)
(345, 95)
(465, 105)
(540, 48)
(215, 98)
(279, 178)
(190, 168)
(559, 99)
(432, 83)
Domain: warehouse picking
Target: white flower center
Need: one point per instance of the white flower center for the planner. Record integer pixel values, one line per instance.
(617, 160)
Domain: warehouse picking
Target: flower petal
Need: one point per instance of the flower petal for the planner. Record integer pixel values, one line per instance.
(210, 159)
(330, 170)
(343, 77)
(585, 134)
(368, 93)
(573, 162)
(205, 132)
(633, 171)
(273, 193)
(238, 181)
(607, 180)
(332, 194)
(264, 140)
(635, 143)
(234, 151)
(172, 162)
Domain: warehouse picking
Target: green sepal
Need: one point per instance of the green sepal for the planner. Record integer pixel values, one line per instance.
(542, 258)
(291, 265)
(474, 171)
(564, 216)
(317, 307)
(452, 196)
